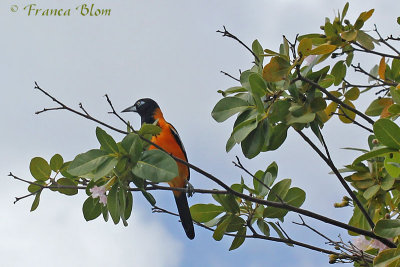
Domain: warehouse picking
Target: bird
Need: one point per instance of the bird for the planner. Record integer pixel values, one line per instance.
(169, 140)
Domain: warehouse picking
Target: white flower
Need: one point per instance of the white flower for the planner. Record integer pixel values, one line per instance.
(100, 192)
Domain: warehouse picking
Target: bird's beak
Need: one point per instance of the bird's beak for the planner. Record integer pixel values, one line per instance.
(130, 109)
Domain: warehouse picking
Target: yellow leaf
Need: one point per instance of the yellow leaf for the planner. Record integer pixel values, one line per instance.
(364, 16)
(323, 49)
(304, 47)
(382, 68)
(276, 70)
(345, 115)
(385, 113)
(329, 110)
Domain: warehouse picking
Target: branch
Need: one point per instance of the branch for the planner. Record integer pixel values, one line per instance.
(238, 194)
(227, 74)
(255, 234)
(359, 69)
(230, 35)
(365, 50)
(332, 97)
(352, 120)
(339, 176)
(385, 42)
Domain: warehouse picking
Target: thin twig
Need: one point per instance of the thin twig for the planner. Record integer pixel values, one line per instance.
(384, 41)
(358, 68)
(368, 51)
(227, 74)
(230, 35)
(240, 166)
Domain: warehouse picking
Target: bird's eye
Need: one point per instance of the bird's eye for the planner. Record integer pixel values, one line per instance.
(139, 103)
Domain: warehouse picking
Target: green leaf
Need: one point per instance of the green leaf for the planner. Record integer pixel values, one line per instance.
(265, 178)
(232, 90)
(278, 136)
(327, 81)
(228, 202)
(105, 168)
(306, 118)
(87, 162)
(394, 92)
(56, 162)
(365, 40)
(352, 94)
(373, 154)
(257, 84)
(67, 191)
(254, 142)
(387, 257)
(349, 35)
(133, 145)
(227, 107)
(278, 111)
(128, 206)
(205, 212)
(149, 197)
(40, 169)
(398, 20)
(345, 8)
(295, 197)
(279, 189)
(106, 141)
(156, 166)
(273, 170)
(387, 228)
(243, 129)
(150, 129)
(388, 133)
(239, 239)
(263, 227)
(32, 188)
(91, 208)
(391, 158)
(113, 203)
(371, 191)
(221, 228)
(387, 182)
(339, 72)
(257, 50)
(235, 225)
(318, 104)
(36, 201)
(376, 107)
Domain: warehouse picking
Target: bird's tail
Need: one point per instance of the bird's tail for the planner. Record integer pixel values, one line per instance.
(184, 214)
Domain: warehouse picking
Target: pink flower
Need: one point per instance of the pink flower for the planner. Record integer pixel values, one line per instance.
(100, 192)
(364, 244)
(310, 59)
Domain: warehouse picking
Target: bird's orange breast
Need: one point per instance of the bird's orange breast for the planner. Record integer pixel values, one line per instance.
(168, 142)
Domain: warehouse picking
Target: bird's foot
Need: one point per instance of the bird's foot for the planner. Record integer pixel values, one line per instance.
(190, 189)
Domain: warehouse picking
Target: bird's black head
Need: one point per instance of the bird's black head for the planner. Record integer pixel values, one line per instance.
(145, 107)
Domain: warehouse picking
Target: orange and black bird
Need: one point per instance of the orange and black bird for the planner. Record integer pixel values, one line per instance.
(169, 140)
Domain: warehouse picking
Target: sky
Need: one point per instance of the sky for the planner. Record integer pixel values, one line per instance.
(168, 51)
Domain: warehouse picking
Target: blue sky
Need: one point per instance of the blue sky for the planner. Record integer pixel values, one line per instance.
(168, 51)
